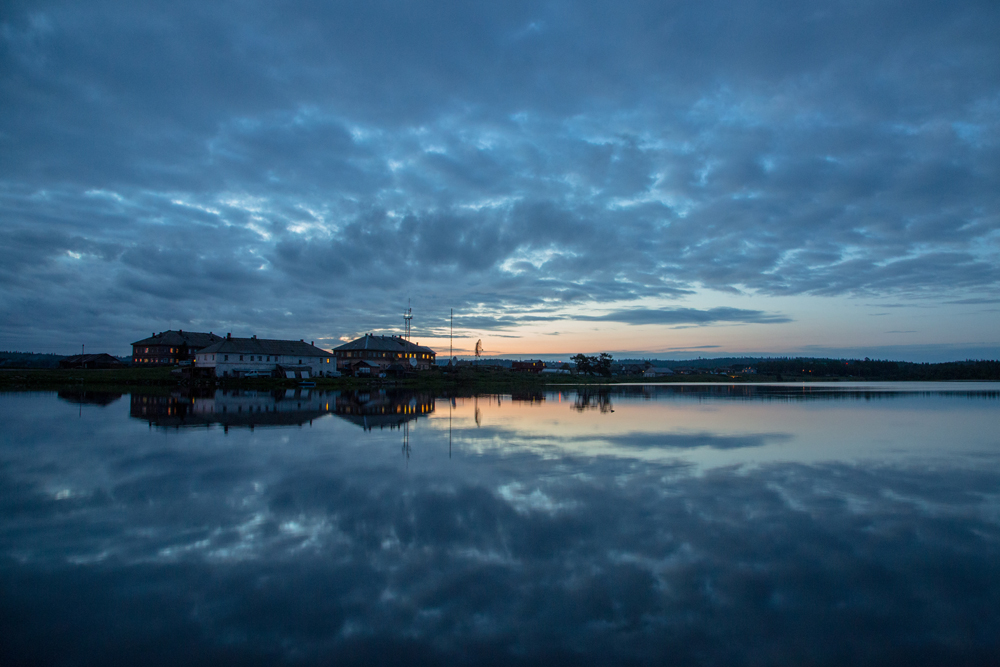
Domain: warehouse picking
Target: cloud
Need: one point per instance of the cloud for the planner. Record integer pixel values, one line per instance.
(686, 316)
(505, 159)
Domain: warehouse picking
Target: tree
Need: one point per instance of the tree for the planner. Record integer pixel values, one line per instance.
(592, 365)
(603, 365)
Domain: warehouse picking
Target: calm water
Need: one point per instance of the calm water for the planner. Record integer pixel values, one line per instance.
(708, 525)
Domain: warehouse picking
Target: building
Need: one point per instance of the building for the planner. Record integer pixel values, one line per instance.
(261, 357)
(383, 352)
(170, 347)
(527, 366)
(91, 361)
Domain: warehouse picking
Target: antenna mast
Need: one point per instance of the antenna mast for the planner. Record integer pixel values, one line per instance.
(407, 316)
(451, 338)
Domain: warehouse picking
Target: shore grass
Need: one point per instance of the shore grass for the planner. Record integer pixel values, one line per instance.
(130, 379)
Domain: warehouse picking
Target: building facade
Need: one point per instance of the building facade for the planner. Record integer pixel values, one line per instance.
(261, 357)
(383, 352)
(169, 348)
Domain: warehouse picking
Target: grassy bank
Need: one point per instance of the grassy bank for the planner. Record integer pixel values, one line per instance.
(474, 380)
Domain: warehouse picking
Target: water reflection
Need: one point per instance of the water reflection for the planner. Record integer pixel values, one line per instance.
(689, 526)
(385, 408)
(89, 397)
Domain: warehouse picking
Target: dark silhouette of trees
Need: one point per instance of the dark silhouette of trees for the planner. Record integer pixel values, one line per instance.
(600, 365)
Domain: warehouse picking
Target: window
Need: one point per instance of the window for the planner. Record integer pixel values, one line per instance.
(300, 361)
(227, 358)
(269, 357)
(241, 357)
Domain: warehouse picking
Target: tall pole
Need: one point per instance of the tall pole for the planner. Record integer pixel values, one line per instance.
(407, 316)
(451, 341)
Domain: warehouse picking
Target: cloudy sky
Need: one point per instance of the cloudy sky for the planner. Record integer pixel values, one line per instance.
(659, 178)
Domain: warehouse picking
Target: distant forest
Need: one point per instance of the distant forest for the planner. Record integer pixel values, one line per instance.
(866, 369)
(10, 359)
(873, 369)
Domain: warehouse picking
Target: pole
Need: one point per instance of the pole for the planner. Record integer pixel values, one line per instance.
(451, 340)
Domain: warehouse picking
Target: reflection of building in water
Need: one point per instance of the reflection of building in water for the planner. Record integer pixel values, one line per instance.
(292, 407)
(86, 397)
(385, 408)
(233, 408)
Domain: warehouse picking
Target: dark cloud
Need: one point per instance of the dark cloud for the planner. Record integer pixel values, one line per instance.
(525, 156)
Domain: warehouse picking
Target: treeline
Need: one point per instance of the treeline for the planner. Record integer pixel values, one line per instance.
(40, 360)
(10, 359)
(876, 369)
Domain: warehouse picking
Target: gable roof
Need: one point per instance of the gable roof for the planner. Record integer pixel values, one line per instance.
(180, 338)
(285, 348)
(102, 357)
(384, 344)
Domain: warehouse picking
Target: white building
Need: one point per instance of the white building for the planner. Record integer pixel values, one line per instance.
(250, 357)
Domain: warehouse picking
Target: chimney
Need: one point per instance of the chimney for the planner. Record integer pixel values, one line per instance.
(313, 343)
(229, 335)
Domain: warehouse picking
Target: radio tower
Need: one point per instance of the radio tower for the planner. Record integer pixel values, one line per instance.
(407, 316)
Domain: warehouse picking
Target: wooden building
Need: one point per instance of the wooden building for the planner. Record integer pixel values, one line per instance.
(383, 352)
(169, 348)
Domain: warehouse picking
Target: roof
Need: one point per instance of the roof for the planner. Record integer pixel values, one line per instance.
(101, 357)
(290, 348)
(384, 344)
(180, 338)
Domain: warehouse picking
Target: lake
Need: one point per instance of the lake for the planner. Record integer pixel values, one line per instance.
(642, 524)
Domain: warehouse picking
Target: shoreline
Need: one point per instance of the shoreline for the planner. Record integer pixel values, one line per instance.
(486, 381)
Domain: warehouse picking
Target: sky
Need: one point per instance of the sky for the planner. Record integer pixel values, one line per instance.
(656, 179)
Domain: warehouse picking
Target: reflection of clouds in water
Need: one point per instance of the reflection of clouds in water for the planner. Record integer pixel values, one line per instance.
(311, 548)
(619, 562)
